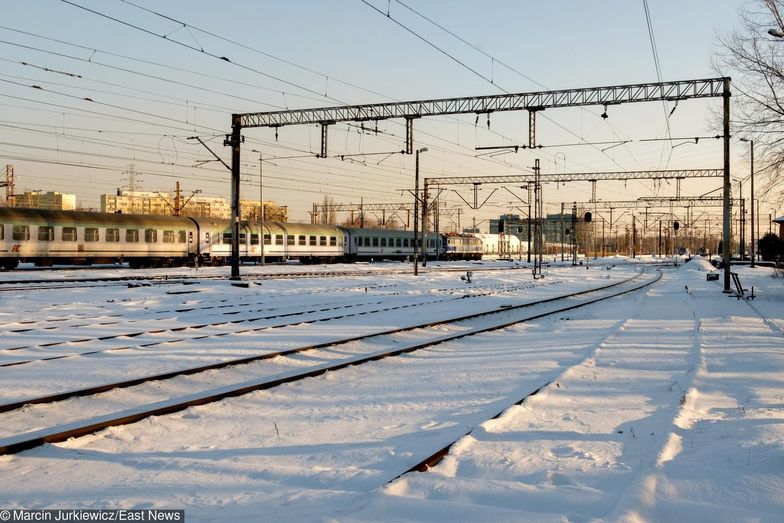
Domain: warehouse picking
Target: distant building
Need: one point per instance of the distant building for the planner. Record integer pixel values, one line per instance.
(55, 201)
(517, 226)
(780, 222)
(135, 202)
(143, 202)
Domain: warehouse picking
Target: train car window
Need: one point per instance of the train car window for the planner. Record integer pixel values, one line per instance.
(312, 240)
(21, 233)
(290, 239)
(367, 241)
(150, 236)
(278, 239)
(132, 235)
(45, 233)
(323, 241)
(397, 242)
(69, 234)
(375, 242)
(405, 242)
(243, 238)
(333, 241)
(383, 242)
(168, 236)
(302, 240)
(182, 237)
(2, 232)
(267, 239)
(254, 239)
(227, 238)
(90, 234)
(112, 235)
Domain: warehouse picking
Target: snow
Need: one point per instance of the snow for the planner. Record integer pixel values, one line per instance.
(664, 404)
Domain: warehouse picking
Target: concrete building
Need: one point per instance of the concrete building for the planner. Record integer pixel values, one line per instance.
(55, 201)
(144, 202)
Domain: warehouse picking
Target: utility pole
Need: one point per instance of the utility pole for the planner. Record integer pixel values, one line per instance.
(562, 231)
(538, 216)
(753, 236)
(725, 251)
(261, 207)
(574, 234)
(177, 193)
(416, 210)
(235, 141)
(10, 185)
(529, 223)
(424, 225)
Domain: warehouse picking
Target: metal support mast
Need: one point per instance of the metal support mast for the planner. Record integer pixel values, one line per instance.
(725, 250)
(234, 142)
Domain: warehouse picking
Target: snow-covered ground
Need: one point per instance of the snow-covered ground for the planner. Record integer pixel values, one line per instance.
(663, 405)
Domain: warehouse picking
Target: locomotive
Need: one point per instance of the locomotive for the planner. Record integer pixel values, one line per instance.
(46, 238)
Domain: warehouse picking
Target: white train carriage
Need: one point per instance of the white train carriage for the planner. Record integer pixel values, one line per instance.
(308, 243)
(463, 247)
(47, 237)
(380, 244)
(282, 241)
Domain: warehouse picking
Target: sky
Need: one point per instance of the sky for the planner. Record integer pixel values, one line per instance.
(155, 78)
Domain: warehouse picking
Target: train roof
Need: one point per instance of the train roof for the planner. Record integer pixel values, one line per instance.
(271, 227)
(85, 218)
(385, 233)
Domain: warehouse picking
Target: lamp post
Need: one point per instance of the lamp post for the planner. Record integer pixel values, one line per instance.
(753, 237)
(416, 210)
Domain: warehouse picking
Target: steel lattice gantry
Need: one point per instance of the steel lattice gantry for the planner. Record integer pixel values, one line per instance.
(649, 92)
(363, 207)
(578, 177)
(531, 102)
(651, 203)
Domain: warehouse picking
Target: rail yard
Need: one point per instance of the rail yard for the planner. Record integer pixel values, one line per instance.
(372, 391)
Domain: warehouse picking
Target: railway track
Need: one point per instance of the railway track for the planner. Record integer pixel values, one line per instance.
(7, 285)
(184, 278)
(244, 319)
(331, 356)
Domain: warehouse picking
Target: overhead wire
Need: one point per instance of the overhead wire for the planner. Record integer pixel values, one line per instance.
(474, 71)
(657, 66)
(255, 50)
(193, 48)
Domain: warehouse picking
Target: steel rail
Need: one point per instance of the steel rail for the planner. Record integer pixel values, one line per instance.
(436, 457)
(232, 322)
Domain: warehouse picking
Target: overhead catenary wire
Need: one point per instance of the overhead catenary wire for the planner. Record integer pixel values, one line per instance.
(657, 66)
(193, 48)
(472, 70)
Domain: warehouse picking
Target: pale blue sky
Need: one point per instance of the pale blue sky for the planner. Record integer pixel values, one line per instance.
(557, 44)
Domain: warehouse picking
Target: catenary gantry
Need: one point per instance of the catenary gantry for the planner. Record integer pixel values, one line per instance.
(672, 174)
(531, 102)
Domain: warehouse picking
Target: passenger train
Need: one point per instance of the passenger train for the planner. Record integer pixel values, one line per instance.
(46, 238)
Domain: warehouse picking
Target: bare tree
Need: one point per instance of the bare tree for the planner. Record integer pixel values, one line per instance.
(328, 216)
(753, 56)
